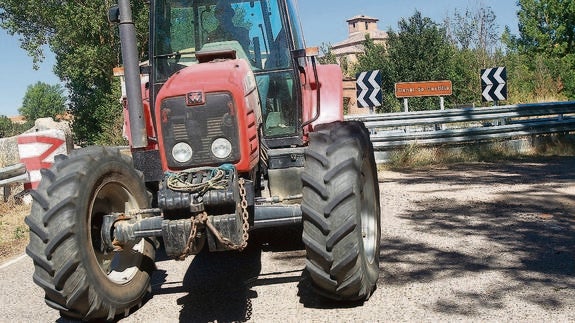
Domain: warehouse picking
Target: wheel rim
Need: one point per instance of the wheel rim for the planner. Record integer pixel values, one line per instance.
(368, 213)
(120, 267)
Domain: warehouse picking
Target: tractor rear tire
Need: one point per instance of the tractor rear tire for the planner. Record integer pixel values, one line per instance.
(341, 212)
(79, 278)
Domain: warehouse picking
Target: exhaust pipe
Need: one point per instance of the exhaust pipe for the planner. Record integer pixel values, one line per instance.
(132, 75)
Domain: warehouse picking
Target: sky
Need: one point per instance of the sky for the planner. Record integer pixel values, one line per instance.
(323, 21)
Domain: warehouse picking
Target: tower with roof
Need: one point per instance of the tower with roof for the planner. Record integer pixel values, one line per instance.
(358, 26)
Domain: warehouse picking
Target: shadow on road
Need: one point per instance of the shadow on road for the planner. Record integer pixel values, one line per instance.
(217, 286)
(522, 239)
(527, 234)
(220, 284)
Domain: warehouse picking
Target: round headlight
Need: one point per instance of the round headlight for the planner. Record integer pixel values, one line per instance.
(182, 152)
(221, 148)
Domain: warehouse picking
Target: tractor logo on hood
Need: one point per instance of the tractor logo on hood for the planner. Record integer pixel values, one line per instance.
(195, 98)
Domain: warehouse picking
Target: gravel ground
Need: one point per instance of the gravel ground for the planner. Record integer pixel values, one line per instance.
(474, 242)
(481, 242)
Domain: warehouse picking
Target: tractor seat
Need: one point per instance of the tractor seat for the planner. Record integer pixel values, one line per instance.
(229, 44)
(275, 120)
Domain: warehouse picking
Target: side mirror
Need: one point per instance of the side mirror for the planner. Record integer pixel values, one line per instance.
(145, 69)
(303, 55)
(114, 14)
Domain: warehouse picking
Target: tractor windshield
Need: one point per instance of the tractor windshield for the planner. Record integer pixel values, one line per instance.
(253, 29)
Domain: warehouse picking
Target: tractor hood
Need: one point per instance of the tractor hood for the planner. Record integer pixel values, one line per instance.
(218, 75)
(205, 105)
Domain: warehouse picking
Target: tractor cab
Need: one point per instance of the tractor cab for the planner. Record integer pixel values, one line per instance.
(185, 33)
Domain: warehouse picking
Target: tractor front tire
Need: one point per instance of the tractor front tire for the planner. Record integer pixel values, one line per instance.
(341, 212)
(80, 278)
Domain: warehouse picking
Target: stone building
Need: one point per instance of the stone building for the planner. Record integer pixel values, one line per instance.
(359, 27)
(348, 50)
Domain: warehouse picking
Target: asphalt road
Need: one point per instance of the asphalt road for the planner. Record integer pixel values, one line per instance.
(479, 242)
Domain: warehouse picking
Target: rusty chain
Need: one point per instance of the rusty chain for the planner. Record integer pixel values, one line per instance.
(245, 214)
(245, 223)
(204, 219)
(199, 219)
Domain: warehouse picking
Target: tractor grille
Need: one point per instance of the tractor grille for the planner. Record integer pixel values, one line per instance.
(180, 132)
(199, 126)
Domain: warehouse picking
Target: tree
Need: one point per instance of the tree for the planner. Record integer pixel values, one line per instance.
(326, 54)
(475, 37)
(547, 26)
(418, 51)
(5, 126)
(474, 30)
(43, 100)
(376, 57)
(9, 128)
(547, 29)
(87, 48)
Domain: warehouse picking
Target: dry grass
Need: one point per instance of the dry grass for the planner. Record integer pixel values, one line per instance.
(415, 156)
(13, 230)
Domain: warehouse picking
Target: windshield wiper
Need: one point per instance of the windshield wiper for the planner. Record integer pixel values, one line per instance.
(176, 54)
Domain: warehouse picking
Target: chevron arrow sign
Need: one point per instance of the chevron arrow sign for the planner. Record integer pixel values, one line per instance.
(494, 84)
(368, 86)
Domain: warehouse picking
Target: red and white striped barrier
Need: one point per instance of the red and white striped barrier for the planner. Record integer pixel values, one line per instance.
(37, 151)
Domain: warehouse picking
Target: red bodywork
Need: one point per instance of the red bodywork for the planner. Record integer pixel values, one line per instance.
(233, 76)
(236, 77)
(331, 95)
(150, 131)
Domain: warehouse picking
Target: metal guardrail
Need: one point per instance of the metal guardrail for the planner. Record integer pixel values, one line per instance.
(10, 175)
(455, 126)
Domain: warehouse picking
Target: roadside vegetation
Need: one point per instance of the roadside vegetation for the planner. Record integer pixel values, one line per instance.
(539, 60)
(415, 156)
(13, 231)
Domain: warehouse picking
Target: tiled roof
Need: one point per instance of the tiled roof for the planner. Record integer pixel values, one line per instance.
(353, 49)
(17, 119)
(359, 37)
(362, 17)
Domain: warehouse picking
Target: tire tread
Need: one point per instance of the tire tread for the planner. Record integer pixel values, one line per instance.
(54, 239)
(332, 197)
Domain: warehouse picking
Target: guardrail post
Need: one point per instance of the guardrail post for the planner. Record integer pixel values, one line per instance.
(442, 107)
(7, 192)
(12, 174)
(405, 105)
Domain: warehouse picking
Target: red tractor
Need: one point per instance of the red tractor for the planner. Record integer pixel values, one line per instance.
(233, 127)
